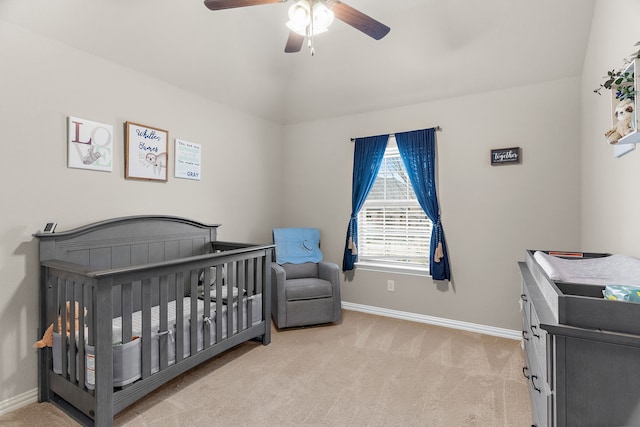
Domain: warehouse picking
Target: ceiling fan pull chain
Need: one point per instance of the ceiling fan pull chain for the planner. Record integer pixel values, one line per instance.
(310, 44)
(310, 31)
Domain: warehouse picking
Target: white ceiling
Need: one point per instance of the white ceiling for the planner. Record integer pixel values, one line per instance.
(436, 49)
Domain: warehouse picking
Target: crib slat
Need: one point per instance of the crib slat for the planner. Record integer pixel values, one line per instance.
(231, 282)
(176, 298)
(219, 317)
(52, 314)
(146, 328)
(91, 316)
(126, 299)
(164, 340)
(59, 326)
(206, 315)
(193, 326)
(250, 287)
(260, 270)
(70, 325)
(179, 317)
(241, 286)
(220, 280)
(251, 277)
(82, 320)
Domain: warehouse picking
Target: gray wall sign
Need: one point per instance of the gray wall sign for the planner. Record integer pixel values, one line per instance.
(506, 156)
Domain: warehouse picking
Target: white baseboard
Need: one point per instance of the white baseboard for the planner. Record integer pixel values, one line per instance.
(18, 401)
(438, 321)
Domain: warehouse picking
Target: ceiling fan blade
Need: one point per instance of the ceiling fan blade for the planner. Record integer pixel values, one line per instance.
(294, 42)
(358, 20)
(230, 4)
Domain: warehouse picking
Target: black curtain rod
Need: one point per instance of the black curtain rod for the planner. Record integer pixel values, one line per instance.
(437, 128)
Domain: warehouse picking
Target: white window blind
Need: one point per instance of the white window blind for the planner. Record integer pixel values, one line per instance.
(392, 227)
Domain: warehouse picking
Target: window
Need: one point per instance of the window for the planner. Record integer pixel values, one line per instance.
(393, 230)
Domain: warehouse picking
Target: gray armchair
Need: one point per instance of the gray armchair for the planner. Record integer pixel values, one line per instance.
(305, 294)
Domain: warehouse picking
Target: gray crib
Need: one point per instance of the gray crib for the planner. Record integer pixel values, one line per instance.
(135, 302)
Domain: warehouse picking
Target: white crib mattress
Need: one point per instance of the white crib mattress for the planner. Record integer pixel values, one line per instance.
(608, 270)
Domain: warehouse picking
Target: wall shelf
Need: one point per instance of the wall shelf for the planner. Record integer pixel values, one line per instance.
(632, 138)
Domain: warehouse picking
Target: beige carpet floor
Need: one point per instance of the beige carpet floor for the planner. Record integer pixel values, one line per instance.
(365, 371)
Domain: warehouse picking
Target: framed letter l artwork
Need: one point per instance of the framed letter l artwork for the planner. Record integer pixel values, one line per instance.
(90, 145)
(146, 151)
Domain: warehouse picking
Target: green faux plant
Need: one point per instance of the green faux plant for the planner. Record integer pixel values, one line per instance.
(623, 83)
(621, 80)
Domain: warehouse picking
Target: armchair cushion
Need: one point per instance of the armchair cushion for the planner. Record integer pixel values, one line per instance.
(305, 289)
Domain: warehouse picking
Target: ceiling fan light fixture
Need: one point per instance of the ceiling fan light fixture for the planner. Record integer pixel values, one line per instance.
(322, 18)
(299, 17)
(301, 13)
(297, 29)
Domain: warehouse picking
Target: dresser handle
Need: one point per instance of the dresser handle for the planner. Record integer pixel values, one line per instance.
(524, 336)
(533, 382)
(533, 329)
(525, 369)
(524, 297)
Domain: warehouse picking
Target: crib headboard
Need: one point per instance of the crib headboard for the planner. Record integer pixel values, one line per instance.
(128, 241)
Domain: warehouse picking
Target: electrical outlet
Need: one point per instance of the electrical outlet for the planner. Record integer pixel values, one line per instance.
(391, 285)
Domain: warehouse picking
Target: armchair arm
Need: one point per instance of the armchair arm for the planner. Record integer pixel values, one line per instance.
(331, 272)
(278, 274)
(278, 298)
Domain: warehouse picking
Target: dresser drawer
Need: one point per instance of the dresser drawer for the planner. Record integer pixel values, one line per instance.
(539, 341)
(535, 338)
(526, 306)
(541, 398)
(525, 301)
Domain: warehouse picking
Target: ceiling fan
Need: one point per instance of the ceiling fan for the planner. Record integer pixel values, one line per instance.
(310, 17)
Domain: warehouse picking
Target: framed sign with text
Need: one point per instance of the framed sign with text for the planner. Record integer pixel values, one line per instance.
(146, 152)
(187, 163)
(506, 156)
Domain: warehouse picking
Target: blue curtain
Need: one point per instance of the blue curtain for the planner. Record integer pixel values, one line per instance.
(367, 158)
(417, 149)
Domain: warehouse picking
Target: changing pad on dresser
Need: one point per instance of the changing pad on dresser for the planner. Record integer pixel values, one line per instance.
(607, 270)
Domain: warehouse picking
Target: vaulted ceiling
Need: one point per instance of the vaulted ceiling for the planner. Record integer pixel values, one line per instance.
(436, 49)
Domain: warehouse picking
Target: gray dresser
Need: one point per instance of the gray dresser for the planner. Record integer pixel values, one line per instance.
(582, 352)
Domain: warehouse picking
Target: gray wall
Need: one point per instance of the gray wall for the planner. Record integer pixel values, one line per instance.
(490, 214)
(610, 195)
(42, 82)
